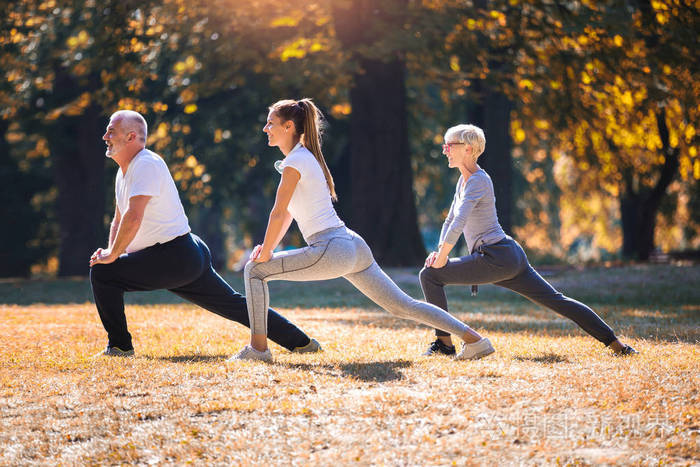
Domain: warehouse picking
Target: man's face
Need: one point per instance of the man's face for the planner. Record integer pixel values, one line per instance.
(115, 137)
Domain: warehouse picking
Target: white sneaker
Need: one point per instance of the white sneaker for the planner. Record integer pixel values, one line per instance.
(249, 353)
(476, 350)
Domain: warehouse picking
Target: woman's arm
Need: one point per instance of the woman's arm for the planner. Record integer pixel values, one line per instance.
(475, 189)
(286, 222)
(280, 219)
(442, 255)
(448, 221)
(430, 260)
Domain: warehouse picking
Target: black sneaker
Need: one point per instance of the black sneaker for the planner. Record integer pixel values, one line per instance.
(438, 347)
(627, 350)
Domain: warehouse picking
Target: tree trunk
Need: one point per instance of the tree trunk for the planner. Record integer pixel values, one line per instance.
(78, 164)
(15, 259)
(639, 208)
(210, 229)
(383, 206)
(497, 159)
(493, 116)
(630, 208)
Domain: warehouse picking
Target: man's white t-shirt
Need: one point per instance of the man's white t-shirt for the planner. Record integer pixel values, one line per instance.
(311, 204)
(164, 218)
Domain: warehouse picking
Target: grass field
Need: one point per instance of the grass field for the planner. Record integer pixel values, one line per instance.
(550, 395)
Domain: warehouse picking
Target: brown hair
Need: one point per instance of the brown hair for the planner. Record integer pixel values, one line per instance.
(308, 122)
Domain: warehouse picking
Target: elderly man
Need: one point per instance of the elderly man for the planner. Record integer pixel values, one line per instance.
(151, 246)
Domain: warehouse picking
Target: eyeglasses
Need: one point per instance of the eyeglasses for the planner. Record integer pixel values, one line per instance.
(449, 146)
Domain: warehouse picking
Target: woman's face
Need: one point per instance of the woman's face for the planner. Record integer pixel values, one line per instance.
(278, 132)
(458, 154)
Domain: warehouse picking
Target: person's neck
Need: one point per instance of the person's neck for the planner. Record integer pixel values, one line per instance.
(467, 170)
(287, 147)
(125, 159)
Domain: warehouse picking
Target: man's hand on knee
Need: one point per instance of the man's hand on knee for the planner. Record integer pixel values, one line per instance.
(102, 256)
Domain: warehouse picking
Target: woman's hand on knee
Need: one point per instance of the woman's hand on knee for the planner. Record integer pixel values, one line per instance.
(256, 251)
(435, 260)
(259, 255)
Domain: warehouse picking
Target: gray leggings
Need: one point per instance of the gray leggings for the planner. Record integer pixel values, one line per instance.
(338, 252)
(505, 264)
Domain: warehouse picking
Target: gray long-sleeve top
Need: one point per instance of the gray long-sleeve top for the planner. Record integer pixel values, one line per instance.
(473, 213)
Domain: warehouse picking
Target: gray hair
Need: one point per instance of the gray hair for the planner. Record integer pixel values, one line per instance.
(132, 121)
(469, 134)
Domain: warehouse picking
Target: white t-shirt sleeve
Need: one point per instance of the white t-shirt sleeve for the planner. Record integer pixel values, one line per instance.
(296, 161)
(146, 179)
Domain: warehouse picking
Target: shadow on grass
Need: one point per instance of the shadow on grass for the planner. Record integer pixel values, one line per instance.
(677, 327)
(378, 372)
(545, 358)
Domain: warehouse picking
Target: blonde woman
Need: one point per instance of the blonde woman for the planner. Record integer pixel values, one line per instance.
(495, 257)
(305, 194)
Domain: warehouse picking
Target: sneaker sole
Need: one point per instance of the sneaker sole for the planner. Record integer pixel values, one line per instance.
(479, 355)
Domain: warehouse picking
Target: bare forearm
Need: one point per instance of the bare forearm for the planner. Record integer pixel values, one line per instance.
(444, 250)
(286, 222)
(125, 232)
(276, 229)
(113, 229)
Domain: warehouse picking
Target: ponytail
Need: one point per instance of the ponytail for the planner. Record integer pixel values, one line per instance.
(307, 120)
(311, 139)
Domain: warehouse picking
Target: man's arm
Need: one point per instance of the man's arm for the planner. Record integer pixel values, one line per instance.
(129, 224)
(114, 227)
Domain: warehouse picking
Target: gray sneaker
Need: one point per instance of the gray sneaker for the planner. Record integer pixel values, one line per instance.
(249, 353)
(115, 352)
(311, 347)
(476, 350)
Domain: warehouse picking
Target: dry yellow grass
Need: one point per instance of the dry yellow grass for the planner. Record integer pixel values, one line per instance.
(549, 395)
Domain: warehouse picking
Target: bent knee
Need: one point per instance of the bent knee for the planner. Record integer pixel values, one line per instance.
(99, 273)
(426, 275)
(253, 270)
(248, 269)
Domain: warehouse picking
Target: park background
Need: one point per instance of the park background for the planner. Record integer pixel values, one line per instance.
(590, 110)
(591, 116)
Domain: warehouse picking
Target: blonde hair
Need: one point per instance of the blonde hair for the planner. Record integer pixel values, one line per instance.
(308, 124)
(469, 134)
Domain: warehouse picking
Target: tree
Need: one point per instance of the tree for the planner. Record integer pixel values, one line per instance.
(75, 55)
(383, 204)
(614, 83)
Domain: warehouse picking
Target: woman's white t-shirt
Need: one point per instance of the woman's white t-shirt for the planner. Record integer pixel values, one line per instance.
(164, 218)
(311, 204)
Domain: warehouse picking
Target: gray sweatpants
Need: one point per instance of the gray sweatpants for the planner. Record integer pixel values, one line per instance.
(338, 252)
(505, 264)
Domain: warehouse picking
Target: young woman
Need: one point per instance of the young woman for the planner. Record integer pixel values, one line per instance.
(495, 257)
(305, 193)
